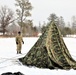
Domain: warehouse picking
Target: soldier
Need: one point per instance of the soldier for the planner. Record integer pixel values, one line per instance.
(19, 42)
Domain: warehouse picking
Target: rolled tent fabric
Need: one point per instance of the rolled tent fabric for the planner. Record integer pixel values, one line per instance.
(49, 51)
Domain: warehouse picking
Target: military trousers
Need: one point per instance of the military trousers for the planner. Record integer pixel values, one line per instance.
(19, 46)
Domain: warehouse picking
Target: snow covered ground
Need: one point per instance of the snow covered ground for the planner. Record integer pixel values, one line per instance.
(9, 62)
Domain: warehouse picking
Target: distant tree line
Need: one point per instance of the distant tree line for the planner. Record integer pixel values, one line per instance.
(12, 22)
(65, 29)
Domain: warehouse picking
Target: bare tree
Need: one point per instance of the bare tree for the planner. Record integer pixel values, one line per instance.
(6, 16)
(23, 10)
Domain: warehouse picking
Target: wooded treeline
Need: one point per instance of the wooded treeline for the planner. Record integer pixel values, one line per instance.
(68, 28)
(11, 22)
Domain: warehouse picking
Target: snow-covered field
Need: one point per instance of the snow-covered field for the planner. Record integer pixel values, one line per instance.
(9, 62)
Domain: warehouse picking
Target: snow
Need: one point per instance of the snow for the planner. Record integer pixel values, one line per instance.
(10, 63)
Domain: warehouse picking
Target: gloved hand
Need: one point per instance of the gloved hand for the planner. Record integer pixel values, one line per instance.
(16, 42)
(23, 42)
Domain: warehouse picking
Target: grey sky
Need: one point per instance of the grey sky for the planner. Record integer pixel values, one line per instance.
(43, 8)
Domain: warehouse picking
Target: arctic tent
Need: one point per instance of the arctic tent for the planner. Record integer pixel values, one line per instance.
(50, 51)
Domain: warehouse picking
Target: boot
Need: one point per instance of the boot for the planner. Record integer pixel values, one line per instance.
(20, 52)
(17, 52)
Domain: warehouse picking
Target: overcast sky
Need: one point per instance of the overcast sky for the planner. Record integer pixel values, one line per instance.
(43, 8)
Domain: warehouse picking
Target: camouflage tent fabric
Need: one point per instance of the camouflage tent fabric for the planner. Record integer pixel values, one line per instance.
(50, 51)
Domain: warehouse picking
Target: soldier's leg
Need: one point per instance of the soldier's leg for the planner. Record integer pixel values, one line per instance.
(18, 49)
(20, 46)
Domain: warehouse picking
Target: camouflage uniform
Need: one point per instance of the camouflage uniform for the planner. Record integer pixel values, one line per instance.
(19, 42)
